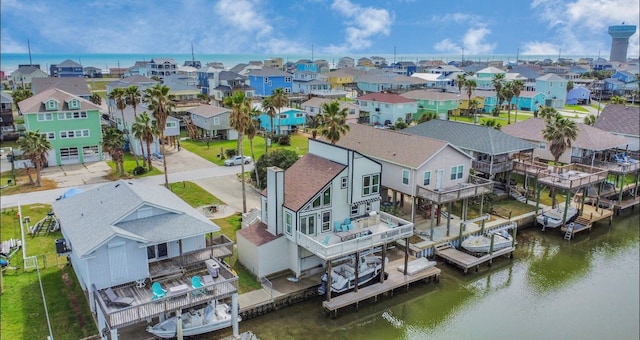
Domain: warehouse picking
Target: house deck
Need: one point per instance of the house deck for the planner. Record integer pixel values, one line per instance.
(465, 260)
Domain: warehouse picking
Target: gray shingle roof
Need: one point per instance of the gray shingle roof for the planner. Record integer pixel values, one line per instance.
(208, 110)
(76, 86)
(92, 218)
(620, 119)
(269, 72)
(471, 137)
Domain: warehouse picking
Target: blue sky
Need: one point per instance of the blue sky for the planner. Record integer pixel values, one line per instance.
(334, 27)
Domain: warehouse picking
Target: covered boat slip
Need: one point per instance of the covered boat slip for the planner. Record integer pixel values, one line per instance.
(396, 279)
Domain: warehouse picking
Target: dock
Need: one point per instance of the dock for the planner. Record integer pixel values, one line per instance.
(579, 225)
(465, 260)
(396, 279)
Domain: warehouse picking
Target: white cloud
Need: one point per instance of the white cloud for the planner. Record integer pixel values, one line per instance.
(458, 18)
(363, 24)
(539, 48)
(473, 43)
(447, 46)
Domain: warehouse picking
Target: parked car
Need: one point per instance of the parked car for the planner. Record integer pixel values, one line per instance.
(237, 160)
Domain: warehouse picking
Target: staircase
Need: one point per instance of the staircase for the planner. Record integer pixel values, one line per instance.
(191, 128)
(513, 192)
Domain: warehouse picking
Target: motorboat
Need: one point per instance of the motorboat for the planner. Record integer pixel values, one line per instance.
(554, 218)
(343, 277)
(482, 243)
(211, 318)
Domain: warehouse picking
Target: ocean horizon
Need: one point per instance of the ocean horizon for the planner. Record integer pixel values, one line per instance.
(9, 62)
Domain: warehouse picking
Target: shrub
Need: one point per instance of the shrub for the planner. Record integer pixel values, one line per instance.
(284, 140)
(139, 170)
(230, 152)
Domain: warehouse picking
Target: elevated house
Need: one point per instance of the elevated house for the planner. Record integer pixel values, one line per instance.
(66, 69)
(266, 80)
(286, 121)
(171, 129)
(578, 95)
(442, 103)
(140, 68)
(434, 80)
(623, 121)
(345, 62)
(225, 83)
(76, 86)
(6, 112)
(554, 88)
(388, 82)
(71, 123)
(162, 67)
(422, 173)
(122, 236)
(307, 82)
(387, 108)
(212, 122)
(21, 78)
(529, 101)
(92, 72)
(484, 77)
(491, 149)
(313, 108)
(184, 90)
(141, 82)
(327, 187)
(405, 68)
(341, 80)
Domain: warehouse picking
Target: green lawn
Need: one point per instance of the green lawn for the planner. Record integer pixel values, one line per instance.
(130, 164)
(298, 143)
(22, 308)
(502, 118)
(577, 108)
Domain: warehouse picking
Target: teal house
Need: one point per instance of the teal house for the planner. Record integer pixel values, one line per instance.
(554, 88)
(442, 103)
(71, 123)
(484, 77)
(286, 121)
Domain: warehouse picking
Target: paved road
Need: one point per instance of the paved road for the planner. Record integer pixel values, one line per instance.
(222, 182)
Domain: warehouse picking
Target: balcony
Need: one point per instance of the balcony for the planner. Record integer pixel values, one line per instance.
(144, 308)
(492, 169)
(474, 187)
(368, 232)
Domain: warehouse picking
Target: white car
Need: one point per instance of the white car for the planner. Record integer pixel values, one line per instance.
(237, 160)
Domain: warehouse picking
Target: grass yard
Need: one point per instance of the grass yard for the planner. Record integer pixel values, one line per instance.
(21, 184)
(130, 164)
(502, 118)
(298, 143)
(23, 314)
(577, 108)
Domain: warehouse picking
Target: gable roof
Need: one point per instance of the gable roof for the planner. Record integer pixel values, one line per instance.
(472, 137)
(551, 77)
(382, 97)
(68, 63)
(76, 86)
(391, 146)
(588, 138)
(5, 97)
(491, 69)
(269, 72)
(92, 218)
(28, 69)
(306, 177)
(35, 103)
(208, 110)
(618, 118)
(430, 95)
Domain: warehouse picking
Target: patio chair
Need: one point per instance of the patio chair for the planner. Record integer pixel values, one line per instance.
(326, 240)
(347, 224)
(337, 226)
(618, 158)
(197, 285)
(115, 300)
(158, 291)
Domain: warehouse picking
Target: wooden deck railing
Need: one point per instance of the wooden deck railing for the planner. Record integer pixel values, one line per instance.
(474, 187)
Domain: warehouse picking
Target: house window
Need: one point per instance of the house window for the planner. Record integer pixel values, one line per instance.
(216, 120)
(74, 104)
(370, 184)
(68, 153)
(270, 83)
(299, 115)
(52, 105)
(287, 90)
(266, 80)
(343, 182)
(45, 117)
(354, 210)
(542, 146)
(284, 116)
(308, 225)
(49, 135)
(157, 251)
(287, 222)
(405, 177)
(326, 197)
(317, 202)
(287, 79)
(171, 124)
(456, 172)
(426, 179)
(326, 220)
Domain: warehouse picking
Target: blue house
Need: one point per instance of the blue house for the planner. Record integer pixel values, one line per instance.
(529, 100)
(67, 69)
(625, 77)
(554, 88)
(578, 95)
(286, 121)
(266, 80)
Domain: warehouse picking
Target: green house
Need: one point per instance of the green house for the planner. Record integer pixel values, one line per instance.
(71, 123)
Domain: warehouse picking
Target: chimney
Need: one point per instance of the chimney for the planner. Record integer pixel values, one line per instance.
(275, 199)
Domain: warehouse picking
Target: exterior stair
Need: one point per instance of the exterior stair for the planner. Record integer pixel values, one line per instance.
(513, 192)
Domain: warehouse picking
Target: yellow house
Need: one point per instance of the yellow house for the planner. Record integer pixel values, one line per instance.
(338, 79)
(463, 105)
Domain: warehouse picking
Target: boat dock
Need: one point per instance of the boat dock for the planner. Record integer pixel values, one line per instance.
(396, 279)
(579, 225)
(465, 260)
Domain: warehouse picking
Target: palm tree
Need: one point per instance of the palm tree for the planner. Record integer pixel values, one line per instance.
(204, 98)
(491, 123)
(497, 81)
(160, 102)
(20, 95)
(508, 93)
(96, 99)
(113, 142)
(460, 80)
(518, 86)
(547, 112)
(590, 120)
(133, 98)
(473, 106)
(617, 100)
(470, 85)
(35, 146)
(569, 86)
(270, 110)
(251, 131)
(333, 122)
(427, 116)
(279, 99)
(145, 130)
(119, 96)
(559, 132)
(239, 119)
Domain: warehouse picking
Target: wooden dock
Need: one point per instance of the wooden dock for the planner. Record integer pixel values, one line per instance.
(466, 260)
(579, 225)
(395, 280)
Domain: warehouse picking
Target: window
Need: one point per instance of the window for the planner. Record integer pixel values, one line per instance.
(343, 182)
(405, 177)
(44, 116)
(354, 210)
(308, 225)
(426, 179)
(299, 115)
(49, 135)
(74, 104)
(287, 79)
(287, 222)
(370, 184)
(284, 116)
(74, 133)
(51, 105)
(171, 124)
(317, 202)
(326, 221)
(456, 172)
(90, 151)
(68, 153)
(287, 90)
(216, 120)
(157, 251)
(266, 80)
(326, 197)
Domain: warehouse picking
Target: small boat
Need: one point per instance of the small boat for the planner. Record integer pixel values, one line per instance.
(553, 218)
(482, 243)
(343, 275)
(204, 320)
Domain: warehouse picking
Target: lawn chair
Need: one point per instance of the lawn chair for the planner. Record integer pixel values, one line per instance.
(326, 240)
(197, 285)
(337, 226)
(115, 300)
(158, 291)
(347, 226)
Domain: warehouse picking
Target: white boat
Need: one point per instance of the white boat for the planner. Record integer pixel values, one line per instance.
(482, 243)
(208, 319)
(553, 218)
(343, 275)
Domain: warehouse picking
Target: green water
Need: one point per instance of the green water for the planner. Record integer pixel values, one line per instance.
(553, 289)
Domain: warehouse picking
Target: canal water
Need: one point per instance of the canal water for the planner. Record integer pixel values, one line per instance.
(584, 289)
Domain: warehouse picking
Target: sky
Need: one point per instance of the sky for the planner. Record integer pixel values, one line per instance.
(330, 27)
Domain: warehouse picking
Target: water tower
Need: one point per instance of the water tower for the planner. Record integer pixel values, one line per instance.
(620, 35)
